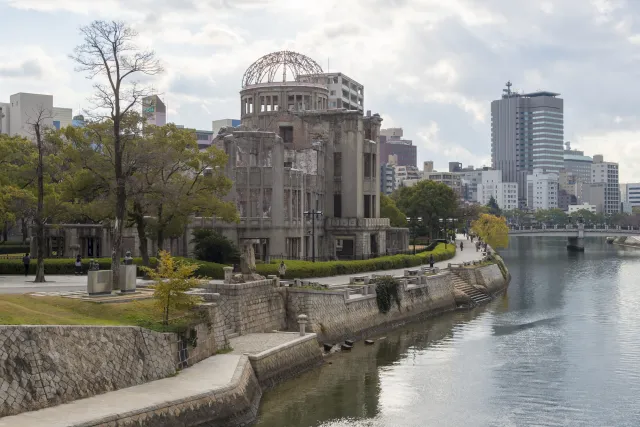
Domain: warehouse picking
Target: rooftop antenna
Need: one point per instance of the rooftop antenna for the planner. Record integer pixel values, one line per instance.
(507, 91)
(567, 145)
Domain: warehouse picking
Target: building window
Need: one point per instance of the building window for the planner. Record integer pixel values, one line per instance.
(337, 164)
(286, 133)
(367, 165)
(337, 205)
(367, 206)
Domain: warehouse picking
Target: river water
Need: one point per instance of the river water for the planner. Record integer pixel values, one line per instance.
(561, 348)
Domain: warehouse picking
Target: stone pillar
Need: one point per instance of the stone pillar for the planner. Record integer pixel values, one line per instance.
(228, 272)
(575, 244)
(302, 321)
(275, 279)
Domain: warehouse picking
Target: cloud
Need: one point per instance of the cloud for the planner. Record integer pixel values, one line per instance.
(27, 68)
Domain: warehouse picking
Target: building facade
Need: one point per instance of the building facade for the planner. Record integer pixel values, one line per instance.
(387, 178)
(405, 173)
(216, 125)
(607, 173)
(504, 193)
(154, 110)
(392, 144)
(527, 131)
(578, 164)
(23, 108)
(343, 91)
(542, 190)
(584, 206)
(451, 180)
(427, 166)
(631, 198)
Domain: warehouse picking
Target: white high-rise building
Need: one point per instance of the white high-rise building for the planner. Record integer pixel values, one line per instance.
(631, 197)
(607, 173)
(504, 193)
(542, 190)
(344, 92)
(23, 109)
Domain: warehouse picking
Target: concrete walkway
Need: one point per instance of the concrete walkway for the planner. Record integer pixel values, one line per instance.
(207, 376)
(467, 254)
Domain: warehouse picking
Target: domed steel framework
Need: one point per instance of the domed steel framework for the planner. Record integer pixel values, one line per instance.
(267, 68)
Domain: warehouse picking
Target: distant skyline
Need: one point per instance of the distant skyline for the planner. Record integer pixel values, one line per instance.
(429, 66)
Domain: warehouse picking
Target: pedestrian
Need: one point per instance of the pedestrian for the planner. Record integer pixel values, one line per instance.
(78, 265)
(26, 259)
(477, 246)
(282, 270)
(461, 246)
(431, 260)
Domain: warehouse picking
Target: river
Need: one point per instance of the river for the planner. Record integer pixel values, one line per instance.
(560, 348)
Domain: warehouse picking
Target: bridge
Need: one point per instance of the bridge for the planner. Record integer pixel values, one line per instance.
(575, 234)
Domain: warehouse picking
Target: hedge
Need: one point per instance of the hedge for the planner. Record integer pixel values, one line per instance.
(306, 269)
(13, 249)
(295, 269)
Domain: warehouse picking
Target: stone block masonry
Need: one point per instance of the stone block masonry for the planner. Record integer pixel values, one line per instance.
(251, 307)
(334, 315)
(42, 366)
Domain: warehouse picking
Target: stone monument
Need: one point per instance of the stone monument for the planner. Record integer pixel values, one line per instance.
(247, 265)
(128, 273)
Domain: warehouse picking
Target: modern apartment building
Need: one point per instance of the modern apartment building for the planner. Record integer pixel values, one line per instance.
(427, 166)
(607, 173)
(542, 190)
(403, 173)
(387, 178)
(344, 92)
(22, 109)
(504, 193)
(527, 133)
(455, 167)
(584, 206)
(216, 125)
(577, 163)
(392, 143)
(631, 197)
(154, 110)
(452, 180)
(594, 194)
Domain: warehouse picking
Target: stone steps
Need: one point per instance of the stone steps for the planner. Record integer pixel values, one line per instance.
(476, 295)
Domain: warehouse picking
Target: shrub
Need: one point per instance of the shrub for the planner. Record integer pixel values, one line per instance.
(60, 265)
(214, 247)
(13, 249)
(386, 293)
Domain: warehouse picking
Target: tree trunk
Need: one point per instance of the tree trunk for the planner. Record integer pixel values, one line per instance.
(5, 232)
(25, 230)
(142, 233)
(121, 200)
(160, 230)
(40, 210)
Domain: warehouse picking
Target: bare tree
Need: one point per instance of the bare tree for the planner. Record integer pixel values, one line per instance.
(108, 52)
(37, 127)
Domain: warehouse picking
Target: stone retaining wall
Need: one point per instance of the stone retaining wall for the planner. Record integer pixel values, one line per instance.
(280, 363)
(231, 406)
(334, 316)
(251, 307)
(488, 276)
(44, 366)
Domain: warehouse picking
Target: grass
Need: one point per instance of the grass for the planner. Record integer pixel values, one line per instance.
(32, 310)
(225, 350)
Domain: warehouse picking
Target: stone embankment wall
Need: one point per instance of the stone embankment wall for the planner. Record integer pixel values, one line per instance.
(631, 241)
(334, 315)
(488, 276)
(43, 366)
(279, 363)
(251, 307)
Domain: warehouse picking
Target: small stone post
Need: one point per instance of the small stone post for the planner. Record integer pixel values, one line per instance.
(275, 279)
(228, 272)
(302, 321)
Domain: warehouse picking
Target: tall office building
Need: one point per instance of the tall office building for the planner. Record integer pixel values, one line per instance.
(542, 190)
(154, 110)
(607, 173)
(630, 196)
(392, 143)
(526, 134)
(577, 163)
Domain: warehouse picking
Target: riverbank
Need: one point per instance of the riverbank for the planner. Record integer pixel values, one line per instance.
(249, 310)
(628, 241)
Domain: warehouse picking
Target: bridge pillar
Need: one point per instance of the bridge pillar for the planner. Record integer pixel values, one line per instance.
(575, 244)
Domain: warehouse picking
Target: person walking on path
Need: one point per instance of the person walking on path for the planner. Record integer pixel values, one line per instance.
(26, 259)
(282, 270)
(477, 246)
(461, 246)
(78, 265)
(431, 260)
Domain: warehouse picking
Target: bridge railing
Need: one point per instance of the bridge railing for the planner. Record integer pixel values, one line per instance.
(591, 228)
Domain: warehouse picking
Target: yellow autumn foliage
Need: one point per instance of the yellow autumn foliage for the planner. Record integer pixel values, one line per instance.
(492, 229)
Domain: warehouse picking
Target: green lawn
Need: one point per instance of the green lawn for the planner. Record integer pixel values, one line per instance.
(33, 310)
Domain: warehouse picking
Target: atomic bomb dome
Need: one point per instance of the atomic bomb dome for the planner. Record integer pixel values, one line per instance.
(285, 63)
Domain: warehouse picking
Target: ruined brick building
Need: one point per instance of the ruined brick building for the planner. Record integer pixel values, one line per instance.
(291, 155)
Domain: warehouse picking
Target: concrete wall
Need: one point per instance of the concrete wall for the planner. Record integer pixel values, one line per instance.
(42, 366)
(334, 316)
(488, 276)
(251, 307)
(277, 364)
(211, 335)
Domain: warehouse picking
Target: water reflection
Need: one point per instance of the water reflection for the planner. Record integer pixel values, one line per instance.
(561, 348)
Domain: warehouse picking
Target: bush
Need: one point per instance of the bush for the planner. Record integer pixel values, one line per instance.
(61, 265)
(212, 246)
(13, 249)
(306, 269)
(386, 293)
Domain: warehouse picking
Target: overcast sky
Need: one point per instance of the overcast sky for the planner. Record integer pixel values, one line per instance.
(430, 66)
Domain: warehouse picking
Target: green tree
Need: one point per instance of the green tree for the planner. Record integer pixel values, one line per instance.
(428, 200)
(552, 216)
(388, 209)
(173, 279)
(492, 229)
(214, 247)
(587, 216)
(494, 209)
(108, 50)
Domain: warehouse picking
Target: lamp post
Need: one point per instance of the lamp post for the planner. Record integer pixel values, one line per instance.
(413, 224)
(313, 213)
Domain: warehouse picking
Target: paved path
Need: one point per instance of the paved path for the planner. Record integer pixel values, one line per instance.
(467, 254)
(257, 343)
(207, 376)
(18, 284)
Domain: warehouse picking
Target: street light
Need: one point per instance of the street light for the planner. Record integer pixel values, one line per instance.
(313, 213)
(413, 224)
